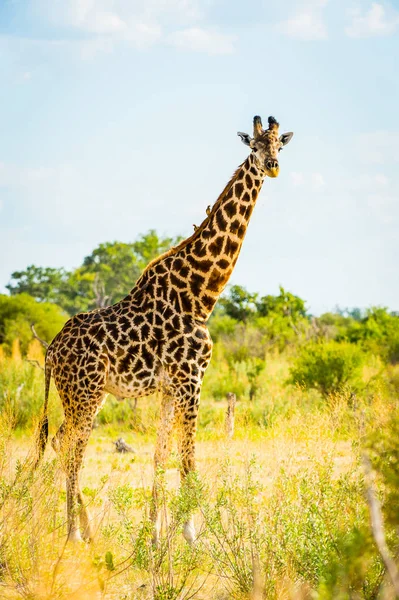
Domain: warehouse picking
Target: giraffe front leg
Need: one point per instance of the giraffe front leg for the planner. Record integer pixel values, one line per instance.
(188, 430)
(162, 451)
(84, 519)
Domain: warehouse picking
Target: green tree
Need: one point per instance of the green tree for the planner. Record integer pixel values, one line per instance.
(110, 271)
(106, 275)
(239, 304)
(17, 313)
(333, 325)
(42, 283)
(149, 245)
(285, 304)
(281, 319)
(378, 332)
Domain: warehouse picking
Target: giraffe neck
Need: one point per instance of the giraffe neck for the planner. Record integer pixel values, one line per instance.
(191, 276)
(213, 250)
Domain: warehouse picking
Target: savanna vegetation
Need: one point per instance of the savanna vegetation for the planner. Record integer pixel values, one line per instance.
(283, 509)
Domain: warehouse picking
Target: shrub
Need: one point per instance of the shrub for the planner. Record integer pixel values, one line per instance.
(18, 312)
(328, 367)
(378, 332)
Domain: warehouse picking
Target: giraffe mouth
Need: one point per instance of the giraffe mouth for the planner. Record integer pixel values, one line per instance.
(273, 172)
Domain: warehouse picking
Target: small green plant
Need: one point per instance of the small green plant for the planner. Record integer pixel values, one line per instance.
(329, 367)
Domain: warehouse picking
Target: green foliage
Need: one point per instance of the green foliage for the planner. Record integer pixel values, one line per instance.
(328, 367)
(318, 528)
(221, 326)
(233, 372)
(22, 393)
(106, 275)
(378, 332)
(45, 284)
(384, 448)
(333, 325)
(285, 304)
(17, 313)
(239, 304)
(249, 326)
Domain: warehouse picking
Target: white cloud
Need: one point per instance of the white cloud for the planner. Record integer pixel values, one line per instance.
(308, 23)
(297, 178)
(202, 40)
(378, 147)
(377, 21)
(142, 23)
(313, 181)
(17, 176)
(317, 180)
(366, 182)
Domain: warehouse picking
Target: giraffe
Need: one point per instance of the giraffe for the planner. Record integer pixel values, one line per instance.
(156, 338)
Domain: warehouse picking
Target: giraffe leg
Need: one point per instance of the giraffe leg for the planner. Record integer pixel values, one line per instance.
(188, 428)
(70, 442)
(162, 451)
(84, 519)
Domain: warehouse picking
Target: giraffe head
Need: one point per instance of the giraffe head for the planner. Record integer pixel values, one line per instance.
(266, 144)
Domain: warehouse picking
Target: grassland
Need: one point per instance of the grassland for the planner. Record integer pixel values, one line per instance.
(280, 508)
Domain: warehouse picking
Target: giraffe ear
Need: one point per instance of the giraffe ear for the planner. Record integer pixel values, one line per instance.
(245, 138)
(286, 137)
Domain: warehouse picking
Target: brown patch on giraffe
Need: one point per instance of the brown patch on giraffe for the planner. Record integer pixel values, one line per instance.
(186, 303)
(234, 226)
(248, 181)
(216, 280)
(215, 248)
(223, 263)
(230, 208)
(203, 265)
(196, 283)
(231, 247)
(239, 188)
(200, 248)
(241, 230)
(221, 221)
(181, 284)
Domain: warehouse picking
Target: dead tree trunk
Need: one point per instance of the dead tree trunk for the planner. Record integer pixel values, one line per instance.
(229, 424)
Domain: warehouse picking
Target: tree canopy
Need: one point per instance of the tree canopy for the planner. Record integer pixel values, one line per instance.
(105, 276)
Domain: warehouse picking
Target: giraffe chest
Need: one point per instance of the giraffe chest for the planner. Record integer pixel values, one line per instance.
(152, 357)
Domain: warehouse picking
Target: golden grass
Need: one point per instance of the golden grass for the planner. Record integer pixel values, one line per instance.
(305, 444)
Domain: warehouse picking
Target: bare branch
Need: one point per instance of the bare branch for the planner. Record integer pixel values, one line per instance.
(377, 526)
(43, 342)
(35, 363)
(102, 298)
(229, 423)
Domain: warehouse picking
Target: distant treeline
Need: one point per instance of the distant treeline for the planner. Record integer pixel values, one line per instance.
(247, 324)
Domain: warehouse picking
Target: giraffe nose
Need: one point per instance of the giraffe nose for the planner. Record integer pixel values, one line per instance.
(272, 167)
(272, 164)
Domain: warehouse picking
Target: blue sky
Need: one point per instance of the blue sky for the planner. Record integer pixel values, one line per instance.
(118, 116)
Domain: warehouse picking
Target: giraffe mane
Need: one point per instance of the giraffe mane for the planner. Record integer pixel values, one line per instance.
(175, 249)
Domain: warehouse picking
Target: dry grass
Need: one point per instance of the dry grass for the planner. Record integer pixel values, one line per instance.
(278, 508)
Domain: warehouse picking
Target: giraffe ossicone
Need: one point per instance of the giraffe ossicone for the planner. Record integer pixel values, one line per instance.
(155, 339)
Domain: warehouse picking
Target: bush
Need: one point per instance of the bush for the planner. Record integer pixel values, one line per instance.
(18, 312)
(377, 332)
(328, 367)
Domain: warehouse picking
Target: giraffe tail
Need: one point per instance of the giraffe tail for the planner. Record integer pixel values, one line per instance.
(42, 429)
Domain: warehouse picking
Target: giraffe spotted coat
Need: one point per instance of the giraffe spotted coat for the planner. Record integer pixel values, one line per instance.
(157, 337)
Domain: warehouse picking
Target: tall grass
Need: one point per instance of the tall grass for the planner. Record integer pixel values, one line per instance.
(280, 509)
